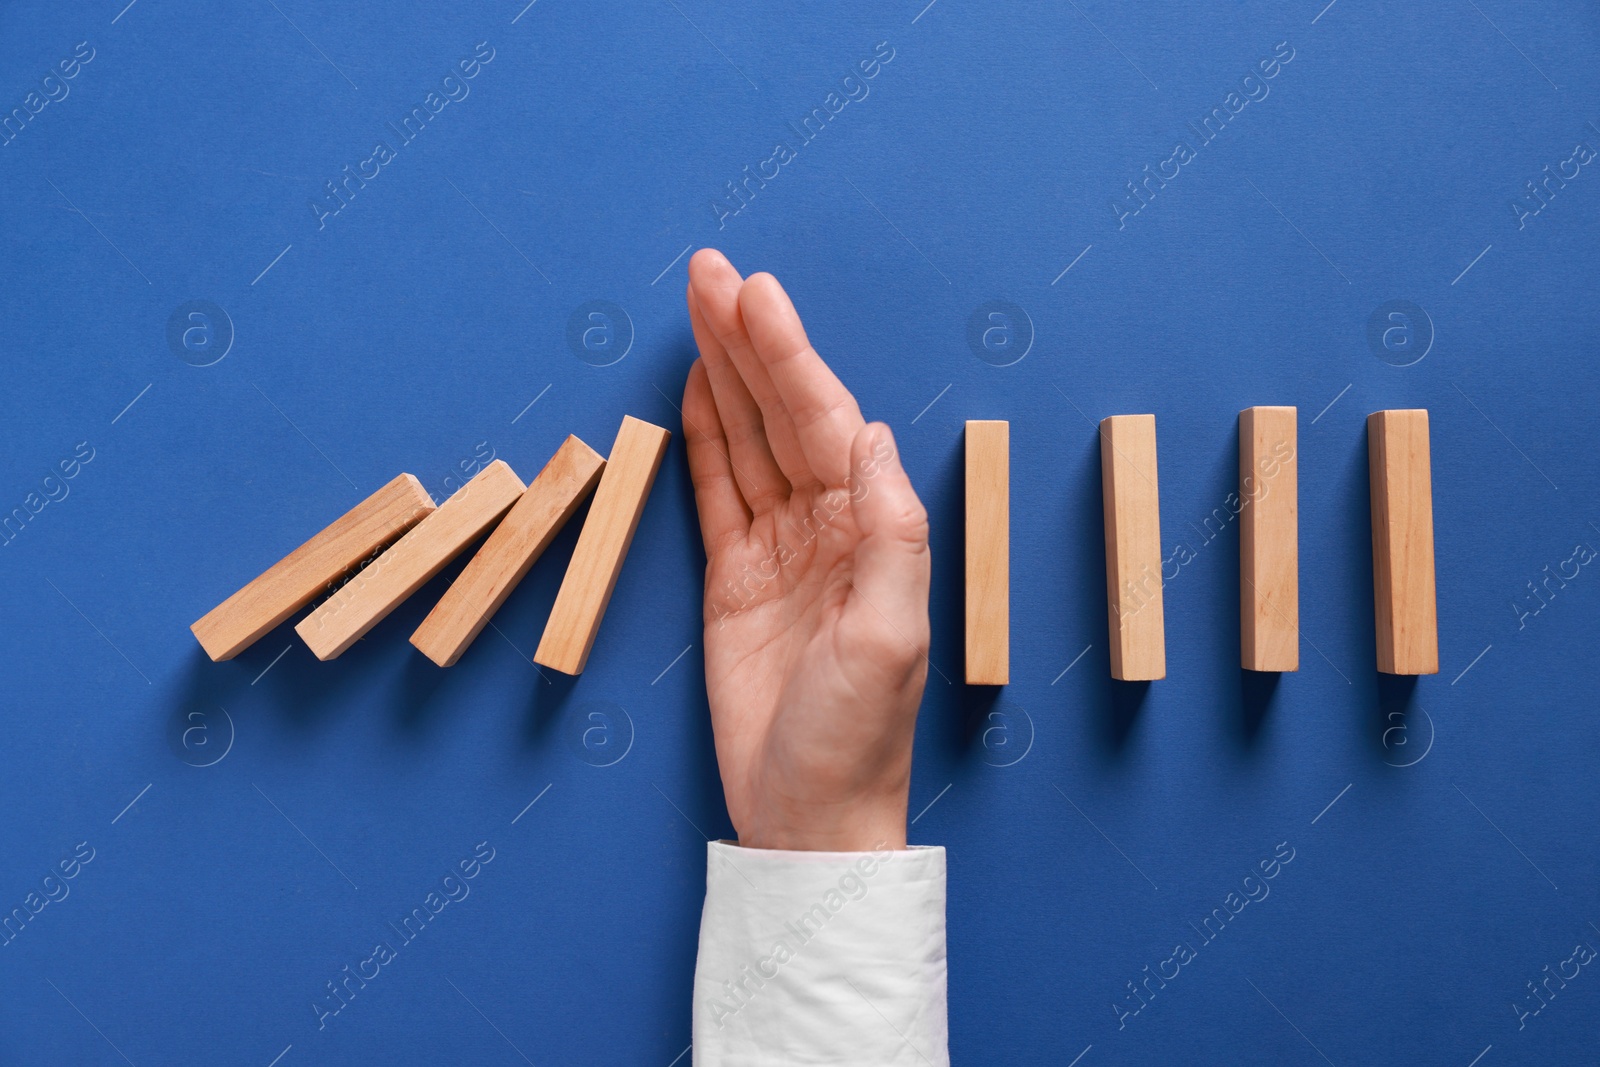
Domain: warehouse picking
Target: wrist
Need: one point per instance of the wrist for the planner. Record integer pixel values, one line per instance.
(835, 828)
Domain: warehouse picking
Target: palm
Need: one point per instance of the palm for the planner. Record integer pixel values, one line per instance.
(767, 645)
(816, 577)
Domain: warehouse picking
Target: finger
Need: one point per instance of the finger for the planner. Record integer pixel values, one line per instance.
(826, 417)
(759, 478)
(892, 560)
(723, 515)
(716, 289)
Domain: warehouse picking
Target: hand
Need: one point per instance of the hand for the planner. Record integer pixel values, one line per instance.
(816, 594)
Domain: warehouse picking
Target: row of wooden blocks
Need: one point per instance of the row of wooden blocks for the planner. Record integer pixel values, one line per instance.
(414, 541)
(1269, 552)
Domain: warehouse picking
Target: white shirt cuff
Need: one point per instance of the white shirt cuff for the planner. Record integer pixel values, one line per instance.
(831, 958)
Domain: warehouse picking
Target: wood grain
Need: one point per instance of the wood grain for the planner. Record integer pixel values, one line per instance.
(509, 553)
(988, 552)
(370, 596)
(1269, 539)
(602, 546)
(1402, 542)
(294, 581)
(1133, 547)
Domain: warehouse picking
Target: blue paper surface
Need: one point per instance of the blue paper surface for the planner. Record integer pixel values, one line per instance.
(261, 257)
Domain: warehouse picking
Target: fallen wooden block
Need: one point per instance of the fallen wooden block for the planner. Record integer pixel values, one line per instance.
(602, 545)
(294, 581)
(365, 600)
(1402, 542)
(1269, 539)
(1133, 547)
(509, 553)
(988, 552)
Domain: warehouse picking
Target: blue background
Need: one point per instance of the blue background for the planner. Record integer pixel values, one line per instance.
(424, 317)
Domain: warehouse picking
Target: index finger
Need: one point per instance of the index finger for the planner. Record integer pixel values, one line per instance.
(825, 414)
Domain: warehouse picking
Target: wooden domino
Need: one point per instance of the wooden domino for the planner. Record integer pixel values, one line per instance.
(1402, 542)
(1133, 547)
(1269, 539)
(371, 595)
(294, 581)
(509, 553)
(602, 546)
(988, 552)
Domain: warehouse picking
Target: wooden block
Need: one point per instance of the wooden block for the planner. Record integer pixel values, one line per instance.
(1133, 547)
(1269, 539)
(602, 546)
(988, 552)
(294, 581)
(1402, 542)
(508, 555)
(367, 599)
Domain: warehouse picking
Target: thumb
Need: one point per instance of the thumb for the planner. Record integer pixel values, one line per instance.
(892, 561)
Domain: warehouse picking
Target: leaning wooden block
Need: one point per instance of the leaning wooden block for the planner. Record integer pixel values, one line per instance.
(1402, 542)
(367, 599)
(988, 552)
(1269, 539)
(602, 546)
(1133, 547)
(509, 553)
(294, 581)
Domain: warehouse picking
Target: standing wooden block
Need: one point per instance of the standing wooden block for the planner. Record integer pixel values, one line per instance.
(1402, 542)
(508, 555)
(988, 552)
(1269, 539)
(1133, 547)
(292, 582)
(367, 599)
(602, 546)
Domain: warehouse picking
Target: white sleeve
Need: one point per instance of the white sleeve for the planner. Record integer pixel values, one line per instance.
(833, 958)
